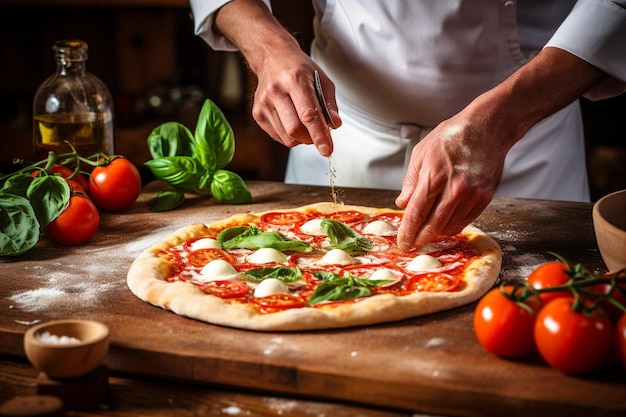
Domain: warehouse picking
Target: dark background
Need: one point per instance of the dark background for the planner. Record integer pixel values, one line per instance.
(158, 70)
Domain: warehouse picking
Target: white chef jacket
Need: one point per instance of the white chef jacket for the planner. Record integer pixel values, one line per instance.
(401, 67)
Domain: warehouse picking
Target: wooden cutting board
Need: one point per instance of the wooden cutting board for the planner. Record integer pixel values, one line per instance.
(431, 364)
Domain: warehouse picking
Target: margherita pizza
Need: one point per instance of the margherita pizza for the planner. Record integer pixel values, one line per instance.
(314, 267)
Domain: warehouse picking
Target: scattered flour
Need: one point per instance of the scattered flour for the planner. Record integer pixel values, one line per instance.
(435, 342)
(232, 410)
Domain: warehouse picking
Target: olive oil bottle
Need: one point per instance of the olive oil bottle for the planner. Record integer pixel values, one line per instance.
(72, 105)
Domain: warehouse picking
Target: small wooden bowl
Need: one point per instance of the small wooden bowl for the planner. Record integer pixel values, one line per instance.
(53, 354)
(609, 222)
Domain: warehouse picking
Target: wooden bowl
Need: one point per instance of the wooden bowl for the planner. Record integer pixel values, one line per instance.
(609, 222)
(67, 348)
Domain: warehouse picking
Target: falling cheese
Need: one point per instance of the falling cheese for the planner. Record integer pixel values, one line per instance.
(313, 227)
(379, 228)
(205, 243)
(337, 257)
(270, 286)
(217, 270)
(423, 263)
(266, 256)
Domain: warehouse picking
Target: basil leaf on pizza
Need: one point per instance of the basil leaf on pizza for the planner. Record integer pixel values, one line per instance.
(343, 237)
(335, 287)
(251, 237)
(319, 266)
(282, 273)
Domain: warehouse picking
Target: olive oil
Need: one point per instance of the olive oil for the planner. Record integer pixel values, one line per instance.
(89, 133)
(72, 106)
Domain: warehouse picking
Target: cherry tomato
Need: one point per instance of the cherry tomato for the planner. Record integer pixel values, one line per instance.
(201, 257)
(620, 340)
(618, 294)
(225, 288)
(503, 327)
(76, 224)
(285, 218)
(115, 186)
(278, 302)
(572, 342)
(66, 173)
(547, 275)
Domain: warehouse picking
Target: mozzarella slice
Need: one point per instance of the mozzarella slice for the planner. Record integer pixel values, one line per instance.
(379, 228)
(423, 263)
(266, 256)
(217, 270)
(384, 274)
(313, 227)
(428, 249)
(270, 286)
(205, 243)
(337, 257)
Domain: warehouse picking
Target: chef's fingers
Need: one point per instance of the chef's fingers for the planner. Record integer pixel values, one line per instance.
(465, 213)
(422, 202)
(311, 116)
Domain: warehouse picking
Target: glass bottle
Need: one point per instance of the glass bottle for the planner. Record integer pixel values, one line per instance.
(72, 105)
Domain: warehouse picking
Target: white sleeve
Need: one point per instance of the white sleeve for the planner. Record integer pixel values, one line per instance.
(595, 30)
(203, 15)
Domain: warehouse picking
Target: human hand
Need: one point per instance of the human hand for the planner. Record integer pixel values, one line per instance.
(451, 178)
(286, 105)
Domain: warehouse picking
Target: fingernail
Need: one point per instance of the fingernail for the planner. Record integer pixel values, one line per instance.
(324, 150)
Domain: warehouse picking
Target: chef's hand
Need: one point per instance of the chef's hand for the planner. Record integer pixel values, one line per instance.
(285, 102)
(286, 105)
(454, 171)
(451, 178)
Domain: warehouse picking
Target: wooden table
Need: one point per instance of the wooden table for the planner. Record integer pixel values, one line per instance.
(430, 364)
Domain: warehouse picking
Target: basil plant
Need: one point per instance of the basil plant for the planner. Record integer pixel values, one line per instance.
(194, 163)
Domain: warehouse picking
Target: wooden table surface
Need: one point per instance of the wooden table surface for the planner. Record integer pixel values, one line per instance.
(430, 364)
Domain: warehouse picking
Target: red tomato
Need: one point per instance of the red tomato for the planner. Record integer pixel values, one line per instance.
(225, 288)
(573, 342)
(66, 172)
(620, 340)
(115, 186)
(432, 282)
(618, 294)
(547, 275)
(503, 327)
(291, 217)
(201, 257)
(76, 224)
(348, 216)
(278, 302)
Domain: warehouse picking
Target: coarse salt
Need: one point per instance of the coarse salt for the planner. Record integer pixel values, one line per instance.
(53, 339)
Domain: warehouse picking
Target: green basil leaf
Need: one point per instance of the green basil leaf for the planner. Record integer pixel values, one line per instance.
(343, 237)
(181, 172)
(19, 228)
(214, 140)
(17, 184)
(166, 200)
(282, 273)
(252, 237)
(336, 290)
(49, 195)
(170, 139)
(349, 279)
(228, 187)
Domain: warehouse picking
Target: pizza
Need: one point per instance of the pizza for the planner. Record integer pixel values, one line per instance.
(319, 266)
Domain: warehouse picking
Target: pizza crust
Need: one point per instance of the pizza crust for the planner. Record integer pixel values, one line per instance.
(146, 279)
